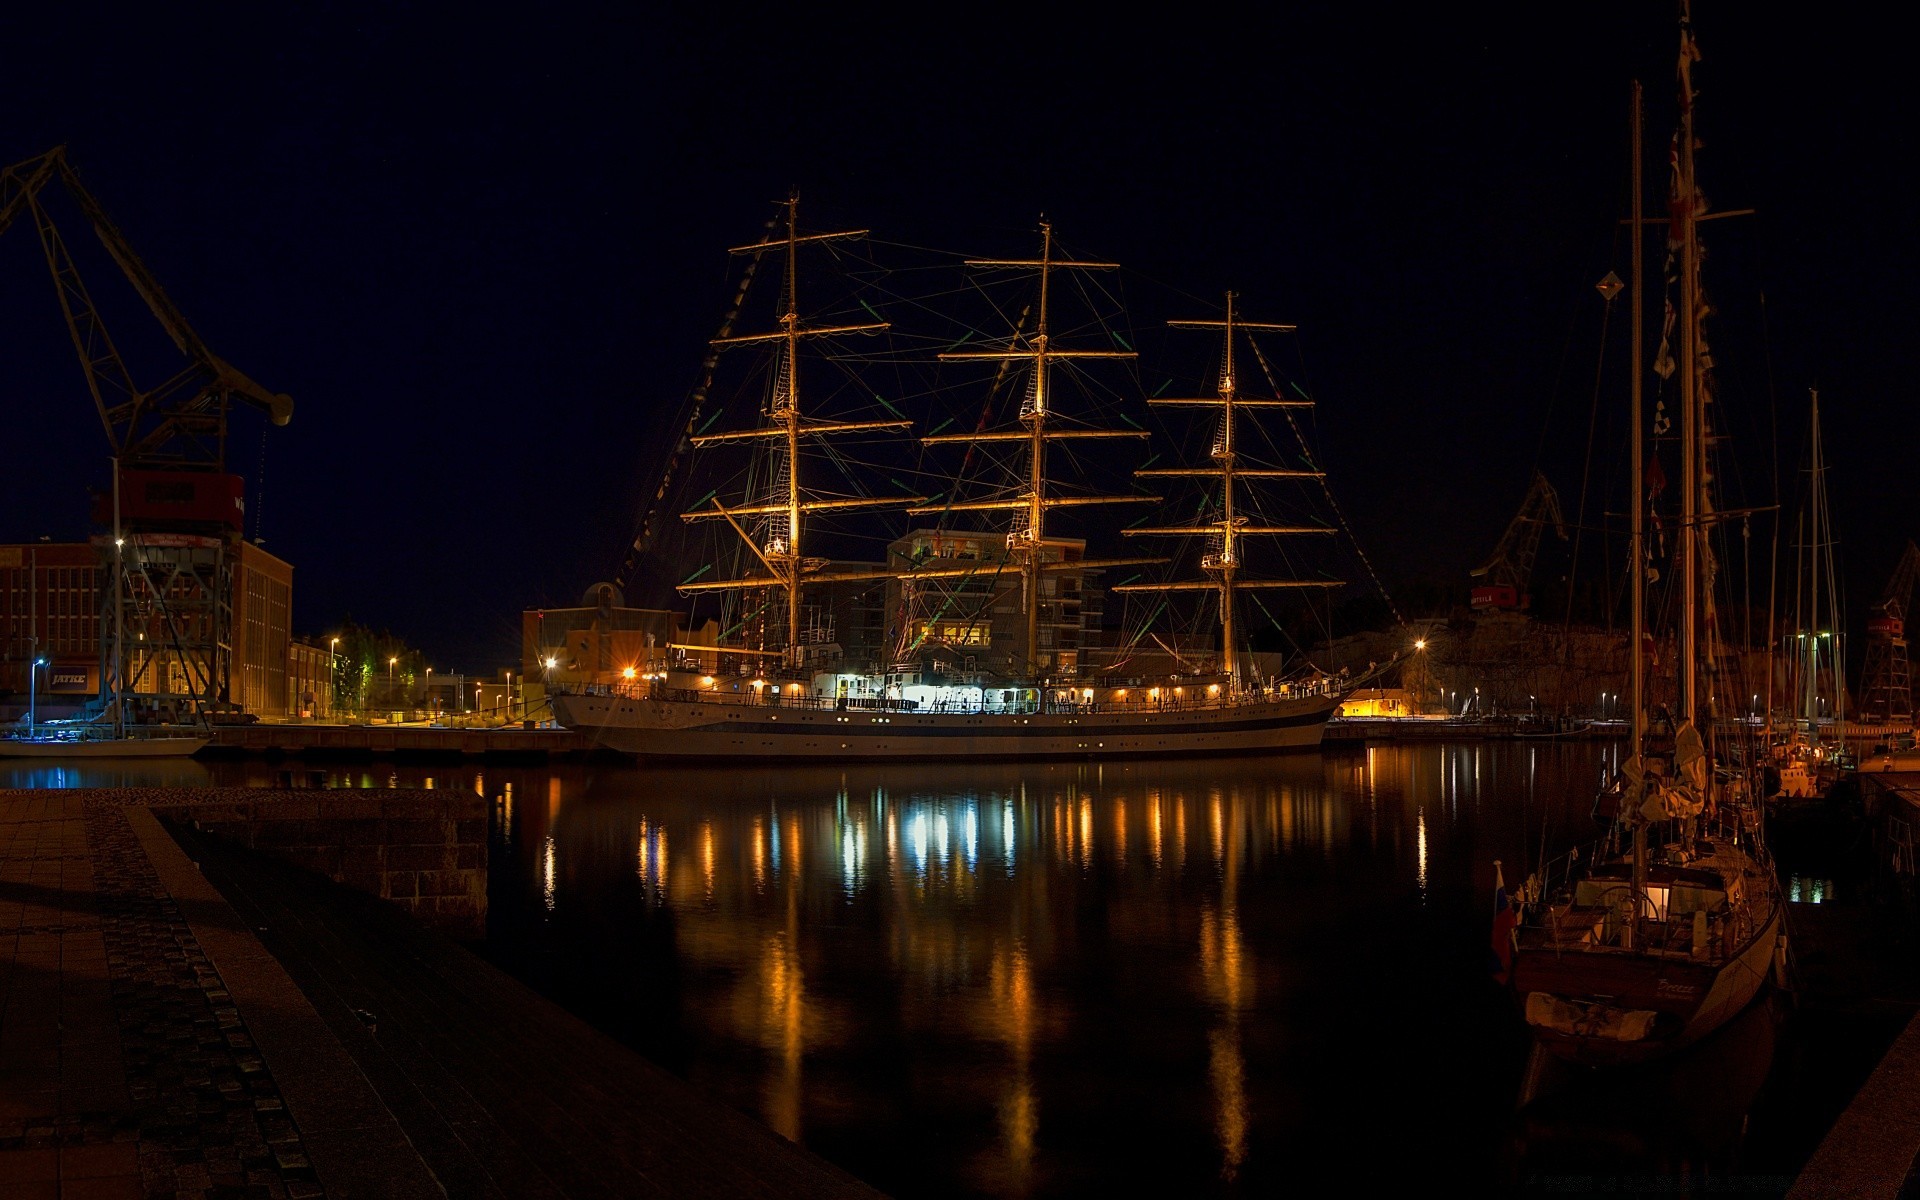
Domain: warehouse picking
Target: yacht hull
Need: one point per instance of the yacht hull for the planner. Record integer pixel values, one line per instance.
(1682, 1000)
(169, 747)
(664, 729)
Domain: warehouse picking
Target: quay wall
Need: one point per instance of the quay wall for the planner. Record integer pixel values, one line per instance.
(424, 851)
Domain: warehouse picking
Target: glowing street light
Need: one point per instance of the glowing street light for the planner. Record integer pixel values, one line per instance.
(33, 694)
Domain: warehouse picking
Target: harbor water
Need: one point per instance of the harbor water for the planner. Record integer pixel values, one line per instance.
(1182, 977)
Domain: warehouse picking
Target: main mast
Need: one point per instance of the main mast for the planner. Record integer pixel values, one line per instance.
(781, 549)
(1027, 539)
(1222, 565)
(1692, 448)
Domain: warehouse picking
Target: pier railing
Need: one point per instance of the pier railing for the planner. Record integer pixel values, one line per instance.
(770, 697)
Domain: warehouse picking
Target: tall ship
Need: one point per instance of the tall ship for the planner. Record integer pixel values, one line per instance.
(1668, 926)
(990, 607)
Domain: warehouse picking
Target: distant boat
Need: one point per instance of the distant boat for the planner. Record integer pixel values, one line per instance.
(44, 746)
(106, 736)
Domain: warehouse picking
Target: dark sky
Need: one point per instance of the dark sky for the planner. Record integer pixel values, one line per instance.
(483, 248)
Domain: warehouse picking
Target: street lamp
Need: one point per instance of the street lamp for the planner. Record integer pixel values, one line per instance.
(333, 675)
(427, 694)
(33, 694)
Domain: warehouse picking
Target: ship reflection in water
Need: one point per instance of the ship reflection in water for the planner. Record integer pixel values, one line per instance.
(1049, 980)
(1030, 980)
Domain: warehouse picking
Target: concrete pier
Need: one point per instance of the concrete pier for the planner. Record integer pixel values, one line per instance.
(204, 1021)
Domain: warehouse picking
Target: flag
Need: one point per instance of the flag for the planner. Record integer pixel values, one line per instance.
(1504, 919)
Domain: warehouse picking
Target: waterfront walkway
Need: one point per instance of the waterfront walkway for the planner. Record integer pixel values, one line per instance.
(289, 1038)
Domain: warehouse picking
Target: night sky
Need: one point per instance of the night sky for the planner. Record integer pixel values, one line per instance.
(483, 249)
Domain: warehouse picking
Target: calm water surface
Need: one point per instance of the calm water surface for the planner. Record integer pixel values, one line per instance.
(1026, 980)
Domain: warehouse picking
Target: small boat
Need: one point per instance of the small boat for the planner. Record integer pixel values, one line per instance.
(43, 746)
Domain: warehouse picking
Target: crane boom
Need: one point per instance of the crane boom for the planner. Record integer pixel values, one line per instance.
(181, 422)
(1507, 572)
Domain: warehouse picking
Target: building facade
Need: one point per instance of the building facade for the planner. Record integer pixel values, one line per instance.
(974, 620)
(56, 605)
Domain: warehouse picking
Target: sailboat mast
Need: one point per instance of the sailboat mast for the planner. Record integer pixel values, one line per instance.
(781, 551)
(1026, 539)
(1035, 533)
(1223, 454)
(1636, 552)
(1637, 545)
(1691, 449)
(786, 404)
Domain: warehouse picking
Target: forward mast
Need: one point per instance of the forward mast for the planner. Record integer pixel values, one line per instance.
(780, 545)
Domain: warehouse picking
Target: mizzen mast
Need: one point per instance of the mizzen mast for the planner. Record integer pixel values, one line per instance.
(1222, 563)
(780, 548)
(1026, 540)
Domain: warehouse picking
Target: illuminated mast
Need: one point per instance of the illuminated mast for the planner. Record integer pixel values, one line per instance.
(1222, 564)
(1028, 537)
(780, 549)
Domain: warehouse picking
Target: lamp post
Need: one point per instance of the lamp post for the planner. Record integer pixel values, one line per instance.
(509, 696)
(333, 676)
(476, 697)
(33, 694)
(427, 694)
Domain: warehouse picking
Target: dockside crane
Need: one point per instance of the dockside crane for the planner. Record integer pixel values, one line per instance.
(181, 515)
(1505, 576)
(1886, 693)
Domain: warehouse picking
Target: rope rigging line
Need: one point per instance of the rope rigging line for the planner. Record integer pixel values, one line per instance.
(1306, 456)
(696, 402)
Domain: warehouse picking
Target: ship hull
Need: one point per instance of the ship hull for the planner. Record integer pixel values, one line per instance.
(1687, 1000)
(170, 747)
(661, 729)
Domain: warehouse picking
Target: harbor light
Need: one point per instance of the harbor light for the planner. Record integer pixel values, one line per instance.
(628, 673)
(706, 681)
(1213, 689)
(1420, 644)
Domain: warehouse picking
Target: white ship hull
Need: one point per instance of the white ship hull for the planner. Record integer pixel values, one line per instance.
(701, 729)
(160, 747)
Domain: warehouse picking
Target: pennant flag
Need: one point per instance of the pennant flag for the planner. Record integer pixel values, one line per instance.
(1504, 919)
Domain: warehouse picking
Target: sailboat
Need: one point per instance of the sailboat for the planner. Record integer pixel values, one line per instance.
(1667, 927)
(111, 739)
(1812, 754)
(1044, 704)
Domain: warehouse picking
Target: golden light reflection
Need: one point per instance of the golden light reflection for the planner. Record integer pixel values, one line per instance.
(1228, 982)
(553, 799)
(782, 1027)
(1420, 848)
(706, 855)
(1153, 828)
(1216, 829)
(759, 856)
(1086, 831)
(1010, 984)
(1120, 831)
(546, 872)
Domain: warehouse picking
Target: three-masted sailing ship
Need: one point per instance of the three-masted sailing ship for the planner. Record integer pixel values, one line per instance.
(1044, 703)
(1670, 924)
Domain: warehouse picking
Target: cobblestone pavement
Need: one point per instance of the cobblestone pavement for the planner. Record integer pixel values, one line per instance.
(125, 1069)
